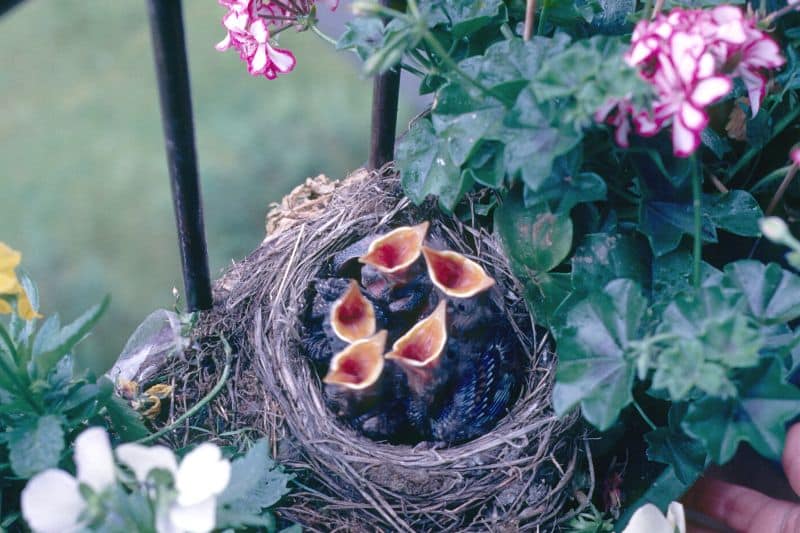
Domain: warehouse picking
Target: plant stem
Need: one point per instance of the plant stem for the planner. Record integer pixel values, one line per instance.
(322, 35)
(542, 18)
(697, 198)
(755, 150)
(445, 58)
(644, 415)
(196, 407)
(530, 13)
(781, 190)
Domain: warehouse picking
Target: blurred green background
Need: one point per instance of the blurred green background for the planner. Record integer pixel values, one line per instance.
(85, 192)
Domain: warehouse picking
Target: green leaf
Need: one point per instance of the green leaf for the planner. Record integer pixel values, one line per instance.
(758, 416)
(256, 484)
(533, 236)
(124, 420)
(362, 34)
(567, 185)
(772, 294)
(603, 257)
(545, 292)
(736, 211)
(57, 346)
(464, 17)
(426, 167)
(665, 223)
(671, 446)
(462, 120)
(36, 447)
(593, 369)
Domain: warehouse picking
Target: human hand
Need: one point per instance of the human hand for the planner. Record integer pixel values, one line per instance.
(746, 510)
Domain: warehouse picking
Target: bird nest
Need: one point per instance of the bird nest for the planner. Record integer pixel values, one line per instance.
(519, 476)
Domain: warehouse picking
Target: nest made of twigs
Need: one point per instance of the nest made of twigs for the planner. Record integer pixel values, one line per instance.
(516, 477)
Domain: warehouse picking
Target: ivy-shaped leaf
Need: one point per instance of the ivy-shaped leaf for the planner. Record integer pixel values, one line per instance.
(758, 416)
(362, 34)
(257, 483)
(533, 236)
(671, 446)
(772, 294)
(426, 168)
(36, 447)
(593, 369)
(603, 257)
(463, 120)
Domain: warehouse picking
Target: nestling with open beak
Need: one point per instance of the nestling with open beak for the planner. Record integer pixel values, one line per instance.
(420, 353)
(339, 314)
(466, 287)
(353, 384)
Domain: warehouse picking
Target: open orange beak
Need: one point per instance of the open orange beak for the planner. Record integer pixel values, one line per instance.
(454, 274)
(393, 253)
(420, 350)
(352, 315)
(358, 366)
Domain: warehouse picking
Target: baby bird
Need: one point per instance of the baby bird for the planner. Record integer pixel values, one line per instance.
(365, 394)
(353, 384)
(420, 354)
(338, 314)
(482, 391)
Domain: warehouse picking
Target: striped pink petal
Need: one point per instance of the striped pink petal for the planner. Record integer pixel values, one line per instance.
(710, 90)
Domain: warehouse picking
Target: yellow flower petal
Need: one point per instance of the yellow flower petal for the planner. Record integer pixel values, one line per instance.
(5, 307)
(9, 258)
(8, 282)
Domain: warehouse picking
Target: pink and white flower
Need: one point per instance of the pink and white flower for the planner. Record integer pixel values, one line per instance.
(249, 24)
(690, 58)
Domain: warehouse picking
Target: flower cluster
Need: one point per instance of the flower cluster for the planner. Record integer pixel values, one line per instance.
(10, 287)
(251, 24)
(690, 58)
(54, 501)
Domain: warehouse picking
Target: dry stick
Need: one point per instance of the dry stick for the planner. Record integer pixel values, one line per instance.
(787, 180)
(530, 10)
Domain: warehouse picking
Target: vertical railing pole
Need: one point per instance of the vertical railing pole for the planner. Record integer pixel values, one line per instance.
(169, 48)
(385, 93)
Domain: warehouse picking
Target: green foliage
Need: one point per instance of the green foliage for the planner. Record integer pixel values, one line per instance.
(257, 483)
(644, 266)
(44, 400)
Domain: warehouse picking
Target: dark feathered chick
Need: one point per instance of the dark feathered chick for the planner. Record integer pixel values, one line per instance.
(481, 392)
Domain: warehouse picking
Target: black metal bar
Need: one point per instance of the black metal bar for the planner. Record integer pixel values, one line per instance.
(6, 5)
(385, 94)
(169, 48)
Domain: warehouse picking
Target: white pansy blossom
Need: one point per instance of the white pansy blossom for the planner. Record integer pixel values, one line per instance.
(142, 459)
(202, 475)
(52, 502)
(648, 519)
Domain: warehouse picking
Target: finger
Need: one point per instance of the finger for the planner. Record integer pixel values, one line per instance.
(791, 457)
(739, 508)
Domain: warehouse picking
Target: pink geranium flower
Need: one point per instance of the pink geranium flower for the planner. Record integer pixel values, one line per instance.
(690, 57)
(250, 24)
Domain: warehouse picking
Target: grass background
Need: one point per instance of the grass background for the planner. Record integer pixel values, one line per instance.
(84, 190)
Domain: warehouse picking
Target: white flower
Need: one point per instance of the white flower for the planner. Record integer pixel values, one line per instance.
(648, 519)
(143, 460)
(202, 475)
(51, 501)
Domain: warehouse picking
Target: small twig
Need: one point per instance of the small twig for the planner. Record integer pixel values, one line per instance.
(530, 11)
(718, 184)
(787, 180)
